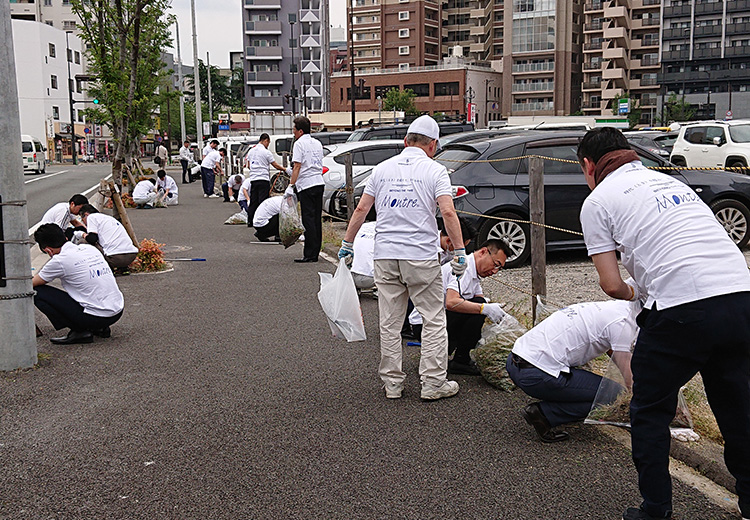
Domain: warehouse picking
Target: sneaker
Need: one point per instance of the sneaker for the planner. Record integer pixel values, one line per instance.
(636, 513)
(432, 392)
(393, 390)
(213, 196)
(205, 195)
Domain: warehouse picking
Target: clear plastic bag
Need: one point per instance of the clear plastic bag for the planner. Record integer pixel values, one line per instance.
(491, 352)
(543, 310)
(237, 218)
(340, 303)
(290, 221)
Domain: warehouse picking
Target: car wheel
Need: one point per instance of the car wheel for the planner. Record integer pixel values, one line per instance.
(735, 217)
(738, 164)
(280, 182)
(516, 235)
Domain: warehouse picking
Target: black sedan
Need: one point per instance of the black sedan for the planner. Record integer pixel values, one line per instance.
(501, 188)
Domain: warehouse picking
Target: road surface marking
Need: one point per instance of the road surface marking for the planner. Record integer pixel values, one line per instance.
(45, 177)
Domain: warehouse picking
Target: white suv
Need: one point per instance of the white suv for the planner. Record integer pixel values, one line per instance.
(713, 144)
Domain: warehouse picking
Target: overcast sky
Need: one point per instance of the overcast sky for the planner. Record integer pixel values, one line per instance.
(219, 24)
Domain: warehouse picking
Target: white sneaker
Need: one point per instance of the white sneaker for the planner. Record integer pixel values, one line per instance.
(205, 195)
(231, 199)
(393, 390)
(447, 389)
(213, 196)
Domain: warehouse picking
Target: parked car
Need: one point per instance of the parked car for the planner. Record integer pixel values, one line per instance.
(399, 131)
(472, 135)
(660, 143)
(501, 189)
(326, 138)
(33, 154)
(713, 144)
(365, 155)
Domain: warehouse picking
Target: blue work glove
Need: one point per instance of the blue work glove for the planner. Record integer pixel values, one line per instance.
(346, 252)
(458, 264)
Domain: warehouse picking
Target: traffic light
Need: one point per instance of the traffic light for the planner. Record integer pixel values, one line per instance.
(96, 101)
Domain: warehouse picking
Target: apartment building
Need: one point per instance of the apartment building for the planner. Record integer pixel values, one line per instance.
(395, 34)
(476, 27)
(286, 55)
(57, 13)
(705, 51)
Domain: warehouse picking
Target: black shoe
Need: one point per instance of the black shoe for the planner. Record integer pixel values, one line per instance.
(535, 417)
(408, 333)
(467, 369)
(103, 333)
(636, 513)
(264, 239)
(73, 337)
(305, 260)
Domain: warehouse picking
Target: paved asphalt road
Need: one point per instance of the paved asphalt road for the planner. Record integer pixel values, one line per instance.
(221, 395)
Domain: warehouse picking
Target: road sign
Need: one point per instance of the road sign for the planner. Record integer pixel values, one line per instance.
(223, 127)
(471, 110)
(624, 106)
(87, 130)
(729, 114)
(223, 117)
(206, 128)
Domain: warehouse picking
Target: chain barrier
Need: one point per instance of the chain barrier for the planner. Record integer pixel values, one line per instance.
(17, 296)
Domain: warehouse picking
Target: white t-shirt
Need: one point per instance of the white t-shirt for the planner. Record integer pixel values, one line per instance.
(406, 188)
(162, 152)
(266, 210)
(245, 186)
(309, 153)
(112, 235)
(469, 282)
(58, 214)
(671, 243)
(234, 184)
(210, 159)
(142, 189)
(207, 149)
(364, 249)
(167, 183)
(186, 154)
(87, 278)
(577, 334)
(258, 160)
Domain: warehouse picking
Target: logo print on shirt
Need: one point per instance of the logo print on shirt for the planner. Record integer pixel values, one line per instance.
(404, 202)
(665, 202)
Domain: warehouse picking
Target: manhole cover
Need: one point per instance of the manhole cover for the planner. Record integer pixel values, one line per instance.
(175, 249)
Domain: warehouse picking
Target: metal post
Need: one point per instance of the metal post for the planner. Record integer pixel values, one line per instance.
(210, 97)
(351, 66)
(183, 133)
(538, 236)
(68, 56)
(18, 344)
(349, 186)
(197, 85)
(292, 19)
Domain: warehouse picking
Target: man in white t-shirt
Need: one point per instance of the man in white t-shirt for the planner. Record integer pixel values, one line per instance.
(231, 188)
(257, 161)
(307, 182)
(697, 313)
(243, 197)
(144, 194)
(65, 215)
(406, 191)
(544, 360)
(266, 219)
(363, 269)
(186, 157)
(466, 306)
(109, 236)
(90, 302)
(211, 166)
(166, 189)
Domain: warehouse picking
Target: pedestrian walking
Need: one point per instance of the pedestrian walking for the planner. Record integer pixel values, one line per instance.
(307, 182)
(162, 155)
(186, 157)
(407, 190)
(696, 316)
(258, 161)
(210, 167)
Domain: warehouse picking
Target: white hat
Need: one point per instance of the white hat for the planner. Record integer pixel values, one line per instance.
(426, 126)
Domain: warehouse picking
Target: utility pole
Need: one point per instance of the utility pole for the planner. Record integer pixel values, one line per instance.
(68, 56)
(183, 133)
(293, 66)
(351, 66)
(197, 85)
(210, 97)
(18, 345)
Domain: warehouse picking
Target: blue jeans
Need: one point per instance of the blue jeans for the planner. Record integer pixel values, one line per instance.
(207, 177)
(565, 398)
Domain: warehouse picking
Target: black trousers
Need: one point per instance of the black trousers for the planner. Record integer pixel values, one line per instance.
(311, 204)
(63, 311)
(464, 330)
(269, 230)
(710, 336)
(258, 193)
(185, 172)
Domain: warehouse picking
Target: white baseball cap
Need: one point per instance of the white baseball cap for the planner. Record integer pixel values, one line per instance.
(426, 126)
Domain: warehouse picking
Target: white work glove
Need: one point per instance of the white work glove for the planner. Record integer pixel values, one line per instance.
(346, 252)
(636, 291)
(458, 264)
(231, 199)
(289, 191)
(493, 311)
(289, 171)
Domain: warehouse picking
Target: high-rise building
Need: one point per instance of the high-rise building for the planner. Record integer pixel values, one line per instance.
(470, 25)
(286, 55)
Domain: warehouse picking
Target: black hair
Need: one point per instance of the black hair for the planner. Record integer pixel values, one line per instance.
(263, 137)
(599, 142)
(214, 141)
(498, 244)
(161, 174)
(88, 208)
(78, 199)
(223, 150)
(49, 235)
(152, 181)
(302, 124)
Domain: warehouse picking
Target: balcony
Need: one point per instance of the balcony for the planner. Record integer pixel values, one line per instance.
(592, 85)
(592, 65)
(546, 66)
(617, 53)
(262, 4)
(536, 106)
(643, 83)
(482, 13)
(737, 51)
(264, 77)
(591, 105)
(648, 101)
(615, 33)
(266, 103)
(645, 42)
(681, 55)
(677, 33)
(644, 63)
(707, 53)
(707, 30)
(263, 27)
(738, 5)
(481, 30)
(709, 7)
(593, 26)
(738, 28)
(614, 74)
(617, 12)
(544, 86)
(594, 6)
(263, 53)
(674, 11)
(592, 46)
(612, 93)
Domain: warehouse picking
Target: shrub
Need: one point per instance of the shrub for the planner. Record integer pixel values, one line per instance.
(150, 257)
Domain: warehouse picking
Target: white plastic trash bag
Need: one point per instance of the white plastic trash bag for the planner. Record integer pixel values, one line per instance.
(237, 218)
(339, 300)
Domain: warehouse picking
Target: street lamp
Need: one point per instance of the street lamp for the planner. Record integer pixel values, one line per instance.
(380, 106)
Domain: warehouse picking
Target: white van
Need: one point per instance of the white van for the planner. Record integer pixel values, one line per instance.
(280, 145)
(33, 152)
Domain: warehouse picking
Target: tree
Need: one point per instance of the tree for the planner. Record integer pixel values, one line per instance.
(402, 100)
(225, 95)
(676, 109)
(634, 115)
(124, 40)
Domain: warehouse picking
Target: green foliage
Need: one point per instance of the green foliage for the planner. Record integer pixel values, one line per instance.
(402, 100)
(676, 109)
(227, 94)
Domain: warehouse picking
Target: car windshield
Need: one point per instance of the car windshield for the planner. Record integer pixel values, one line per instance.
(454, 158)
(666, 141)
(357, 135)
(740, 133)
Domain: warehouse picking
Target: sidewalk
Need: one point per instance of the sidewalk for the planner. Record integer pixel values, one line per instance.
(222, 395)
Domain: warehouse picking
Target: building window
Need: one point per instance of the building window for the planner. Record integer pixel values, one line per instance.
(403, 33)
(69, 25)
(56, 113)
(52, 52)
(47, 2)
(50, 23)
(53, 81)
(446, 89)
(403, 66)
(403, 50)
(420, 89)
(403, 15)
(77, 57)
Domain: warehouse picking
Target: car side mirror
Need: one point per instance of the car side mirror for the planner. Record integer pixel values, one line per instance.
(717, 141)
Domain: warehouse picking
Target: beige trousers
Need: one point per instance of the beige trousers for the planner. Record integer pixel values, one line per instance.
(420, 280)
